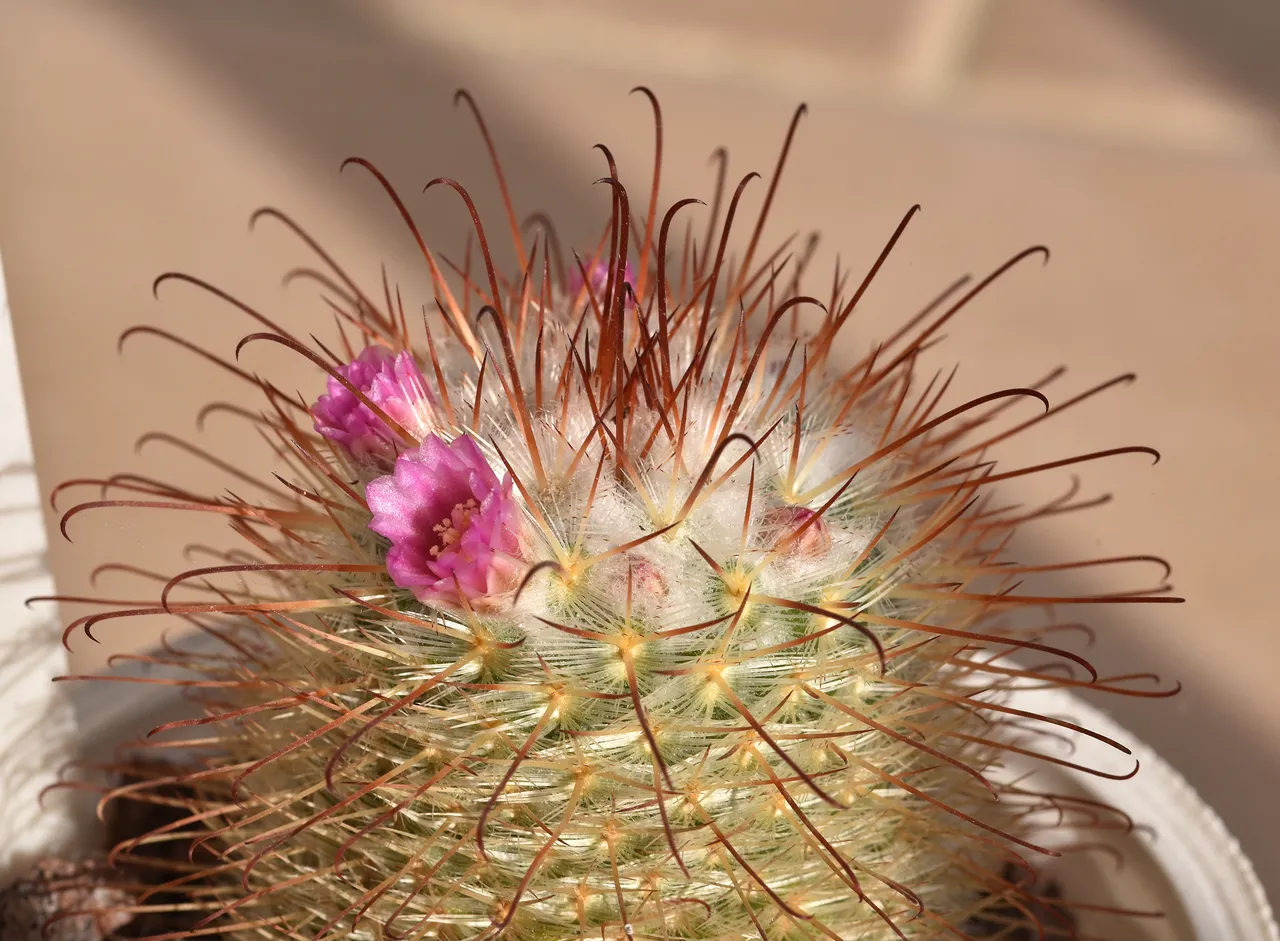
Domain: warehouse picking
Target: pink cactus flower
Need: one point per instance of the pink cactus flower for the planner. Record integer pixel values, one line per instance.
(393, 382)
(598, 277)
(454, 528)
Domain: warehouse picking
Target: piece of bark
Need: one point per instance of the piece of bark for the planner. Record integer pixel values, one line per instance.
(55, 889)
(58, 887)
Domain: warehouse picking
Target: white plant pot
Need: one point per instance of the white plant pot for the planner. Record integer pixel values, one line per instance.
(1181, 858)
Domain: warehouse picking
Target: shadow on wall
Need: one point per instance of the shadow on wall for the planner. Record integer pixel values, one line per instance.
(326, 80)
(1235, 39)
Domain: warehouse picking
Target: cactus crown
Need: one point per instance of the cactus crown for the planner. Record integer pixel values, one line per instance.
(614, 605)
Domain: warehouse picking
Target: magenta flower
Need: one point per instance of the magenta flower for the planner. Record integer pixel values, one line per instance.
(454, 528)
(598, 276)
(391, 381)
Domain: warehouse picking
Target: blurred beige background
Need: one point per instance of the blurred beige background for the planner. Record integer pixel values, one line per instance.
(1138, 138)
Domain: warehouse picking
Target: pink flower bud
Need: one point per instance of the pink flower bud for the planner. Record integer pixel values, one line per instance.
(394, 383)
(598, 278)
(814, 541)
(648, 581)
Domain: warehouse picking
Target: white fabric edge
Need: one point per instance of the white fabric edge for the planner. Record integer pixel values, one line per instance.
(38, 734)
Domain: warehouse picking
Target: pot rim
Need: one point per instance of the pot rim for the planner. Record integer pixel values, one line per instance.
(1216, 883)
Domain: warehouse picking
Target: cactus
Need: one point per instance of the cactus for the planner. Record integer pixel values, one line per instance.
(611, 602)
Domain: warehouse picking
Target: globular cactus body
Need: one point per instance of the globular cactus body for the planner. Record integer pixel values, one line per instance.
(620, 608)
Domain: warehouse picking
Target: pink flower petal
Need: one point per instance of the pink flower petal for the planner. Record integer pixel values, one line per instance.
(454, 527)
